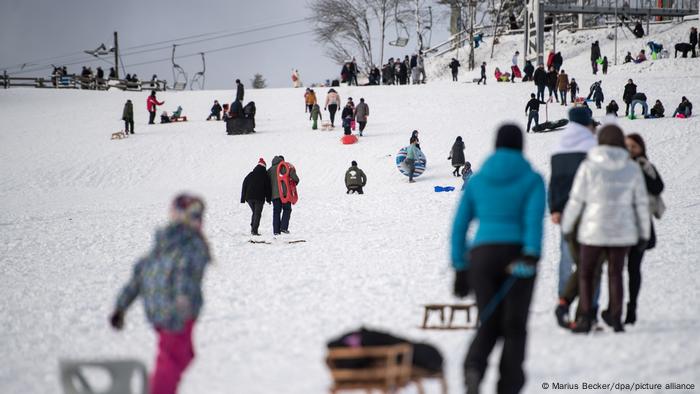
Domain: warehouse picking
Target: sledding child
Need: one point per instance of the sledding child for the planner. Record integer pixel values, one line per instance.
(457, 155)
(169, 278)
(685, 108)
(164, 118)
(315, 116)
(466, 173)
(177, 114)
(501, 77)
(573, 89)
(657, 111)
(215, 111)
(605, 65)
(612, 108)
(348, 115)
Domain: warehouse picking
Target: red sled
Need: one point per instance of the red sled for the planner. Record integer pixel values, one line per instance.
(516, 72)
(287, 187)
(348, 139)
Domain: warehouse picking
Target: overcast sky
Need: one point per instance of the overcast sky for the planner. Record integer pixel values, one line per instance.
(38, 31)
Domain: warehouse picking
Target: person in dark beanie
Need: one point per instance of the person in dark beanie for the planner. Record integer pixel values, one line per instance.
(507, 197)
(654, 187)
(454, 67)
(576, 140)
(128, 117)
(256, 190)
(240, 90)
(355, 179)
(169, 279)
(215, 111)
(532, 110)
(630, 90)
(607, 212)
(540, 79)
(483, 74)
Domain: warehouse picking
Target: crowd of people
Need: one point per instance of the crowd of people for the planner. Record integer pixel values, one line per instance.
(89, 79)
(603, 193)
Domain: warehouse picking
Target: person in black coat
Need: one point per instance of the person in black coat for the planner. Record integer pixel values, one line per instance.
(630, 90)
(454, 66)
(558, 61)
(595, 55)
(638, 30)
(483, 74)
(215, 111)
(529, 69)
(694, 39)
(256, 190)
(239, 90)
(612, 108)
(540, 79)
(347, 116)
(532, 111)
(552, 77)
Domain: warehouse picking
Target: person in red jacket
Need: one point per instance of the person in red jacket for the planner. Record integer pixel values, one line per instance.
(151, 104)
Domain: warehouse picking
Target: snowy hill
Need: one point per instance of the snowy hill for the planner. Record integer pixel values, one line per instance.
(78, 209)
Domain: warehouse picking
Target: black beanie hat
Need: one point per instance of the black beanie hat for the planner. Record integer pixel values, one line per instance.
(509, 136)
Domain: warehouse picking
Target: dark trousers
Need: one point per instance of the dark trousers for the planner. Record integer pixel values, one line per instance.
(333, 108)
(627, 108)
(540, 92)
(534, 115)
(309, 107)
(151, 117)
(216, 115)
(411, 166)
(634, 269)
(483, 78)
(257, 208)
(508, 322)
(454, 76)
(281, 213)
(362, 125)
(553, 92)
(354, 189)
(562, 94)
(590, 256)
(129, 126)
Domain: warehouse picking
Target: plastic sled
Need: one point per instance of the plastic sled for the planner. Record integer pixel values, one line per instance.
(439, 189)
(516, 72)
(420, 163)
(287, 187)
(550, 126)
(348, 139)
(121, 374)
(681, 116)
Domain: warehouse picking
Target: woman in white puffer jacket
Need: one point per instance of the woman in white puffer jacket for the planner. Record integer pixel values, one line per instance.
(608, 208)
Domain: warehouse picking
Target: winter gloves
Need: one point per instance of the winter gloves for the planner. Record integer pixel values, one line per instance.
(461, 285)
(117, 320)
(524, 267)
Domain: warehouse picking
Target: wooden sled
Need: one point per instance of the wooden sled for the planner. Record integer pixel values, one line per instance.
(452, 309)
(326, 126)
(178, 119)
(119, 135)
(296, 241)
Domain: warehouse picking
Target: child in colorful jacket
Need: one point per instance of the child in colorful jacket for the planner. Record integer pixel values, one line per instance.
(169, 279)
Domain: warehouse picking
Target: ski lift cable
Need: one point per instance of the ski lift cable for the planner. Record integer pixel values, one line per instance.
(185, 38)
(226, 48)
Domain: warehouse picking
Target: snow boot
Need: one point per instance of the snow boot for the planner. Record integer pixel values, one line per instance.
(562, 314)
(616, 325)
(472, 379)
(631, 317)
(582, 325)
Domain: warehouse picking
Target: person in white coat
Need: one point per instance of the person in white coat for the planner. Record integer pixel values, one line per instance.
(610, 203)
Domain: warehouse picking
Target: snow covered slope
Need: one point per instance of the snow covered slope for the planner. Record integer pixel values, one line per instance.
(78, 209)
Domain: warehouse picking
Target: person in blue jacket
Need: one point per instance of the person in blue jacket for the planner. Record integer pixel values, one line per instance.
(507, 197)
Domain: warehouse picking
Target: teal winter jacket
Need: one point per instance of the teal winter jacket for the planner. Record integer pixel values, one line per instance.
(507, 197)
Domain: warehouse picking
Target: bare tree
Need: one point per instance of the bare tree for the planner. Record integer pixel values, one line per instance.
(347, 28)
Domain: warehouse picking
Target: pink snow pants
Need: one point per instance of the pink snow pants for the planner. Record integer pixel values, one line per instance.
(175, 352)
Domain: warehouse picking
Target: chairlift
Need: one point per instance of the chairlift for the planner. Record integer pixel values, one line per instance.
(99, 51)
(198, 78)
(179, 75)
(401, 40)
(429, 29)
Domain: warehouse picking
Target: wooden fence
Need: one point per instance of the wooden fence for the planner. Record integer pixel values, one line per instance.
(79, 82)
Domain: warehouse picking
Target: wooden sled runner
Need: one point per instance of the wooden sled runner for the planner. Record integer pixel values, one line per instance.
(296, 241)
(389, 369)
(451, 309)
(119, 135)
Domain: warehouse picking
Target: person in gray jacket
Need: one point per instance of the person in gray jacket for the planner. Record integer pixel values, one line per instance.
(610, 203)
(355, 179)
(361, 114)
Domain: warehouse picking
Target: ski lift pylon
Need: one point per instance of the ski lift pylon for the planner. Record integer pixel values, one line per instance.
(179, 75)
(198, 78)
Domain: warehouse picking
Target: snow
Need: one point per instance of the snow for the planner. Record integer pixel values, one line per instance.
(78, 209)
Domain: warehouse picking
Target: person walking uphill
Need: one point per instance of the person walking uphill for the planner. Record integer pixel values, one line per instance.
(457, 155)
(361, 114)
(454, 67)
(563, 86)
(355, 179)
(483, 74)
(412, 154)
(332, 104)
(240, 90)
(281, 212)
(310, 100)
(595, 55)
(128, 117)
(576, 140)
(256, 190)
(609, 202)
(169, 278)
(540, 79)
(507, 197)
(654, 187)
(151, 105)
(315, 115)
